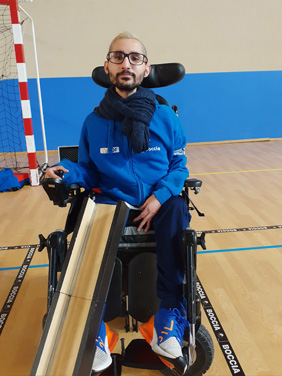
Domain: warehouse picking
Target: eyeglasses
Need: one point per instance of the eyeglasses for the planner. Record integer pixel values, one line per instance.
(117, 57)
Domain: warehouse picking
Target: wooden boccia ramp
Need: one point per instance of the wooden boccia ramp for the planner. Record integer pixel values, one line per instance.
(67, 345)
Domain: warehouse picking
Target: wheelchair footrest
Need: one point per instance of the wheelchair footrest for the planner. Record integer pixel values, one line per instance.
(139, 354)
(143, 301)
(114, 299)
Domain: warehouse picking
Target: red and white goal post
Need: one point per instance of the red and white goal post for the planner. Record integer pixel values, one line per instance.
(23, 90)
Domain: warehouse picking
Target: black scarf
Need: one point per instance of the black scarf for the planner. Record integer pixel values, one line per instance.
(135, 114)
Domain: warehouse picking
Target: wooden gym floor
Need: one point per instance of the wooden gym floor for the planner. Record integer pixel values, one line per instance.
(241, 270)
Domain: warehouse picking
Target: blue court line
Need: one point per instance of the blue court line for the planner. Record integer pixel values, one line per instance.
(199, 252)
(240, 249)
(30, 267)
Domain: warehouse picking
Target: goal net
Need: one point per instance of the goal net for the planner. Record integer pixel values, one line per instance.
(16, 130)
(12, 136)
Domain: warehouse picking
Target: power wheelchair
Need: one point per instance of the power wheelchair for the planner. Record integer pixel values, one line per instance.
(132, 292)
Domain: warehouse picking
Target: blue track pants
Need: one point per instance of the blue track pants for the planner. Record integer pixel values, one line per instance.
(169, 223)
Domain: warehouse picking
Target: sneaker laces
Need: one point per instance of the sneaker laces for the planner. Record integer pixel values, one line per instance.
(182, 324)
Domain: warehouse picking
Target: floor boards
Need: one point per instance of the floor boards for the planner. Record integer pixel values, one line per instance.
(240, 270)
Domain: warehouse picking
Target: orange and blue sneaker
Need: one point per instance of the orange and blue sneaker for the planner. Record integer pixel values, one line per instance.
(105, 344)
(164, 332)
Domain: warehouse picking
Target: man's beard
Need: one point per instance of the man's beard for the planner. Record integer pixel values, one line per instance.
(123, 84)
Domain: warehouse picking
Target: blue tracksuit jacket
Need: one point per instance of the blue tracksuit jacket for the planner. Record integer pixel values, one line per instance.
(106, 160)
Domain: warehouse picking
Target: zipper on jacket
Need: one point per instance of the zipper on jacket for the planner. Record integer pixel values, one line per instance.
(111, 136)
(141, 191)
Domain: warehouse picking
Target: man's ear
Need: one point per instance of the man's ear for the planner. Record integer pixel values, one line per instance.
(106, 63)
(147, 70)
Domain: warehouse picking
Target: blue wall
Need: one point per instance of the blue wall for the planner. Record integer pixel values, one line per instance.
(212, 106)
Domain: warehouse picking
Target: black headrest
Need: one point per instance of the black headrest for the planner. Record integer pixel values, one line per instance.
(160, 75)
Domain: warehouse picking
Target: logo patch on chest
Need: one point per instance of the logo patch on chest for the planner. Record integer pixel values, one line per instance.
(115, 149)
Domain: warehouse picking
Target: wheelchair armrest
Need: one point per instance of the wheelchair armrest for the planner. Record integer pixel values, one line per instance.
(192, 183)
(58, 191)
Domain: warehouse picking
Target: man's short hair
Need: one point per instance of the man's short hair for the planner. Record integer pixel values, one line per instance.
(128, 35)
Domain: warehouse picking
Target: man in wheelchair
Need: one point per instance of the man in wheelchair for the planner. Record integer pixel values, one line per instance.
(132, 149)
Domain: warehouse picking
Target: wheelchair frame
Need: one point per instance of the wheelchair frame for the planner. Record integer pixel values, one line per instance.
(57, 248)
(198, 345)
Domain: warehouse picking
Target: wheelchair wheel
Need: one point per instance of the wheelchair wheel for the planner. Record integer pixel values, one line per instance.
(204, 353)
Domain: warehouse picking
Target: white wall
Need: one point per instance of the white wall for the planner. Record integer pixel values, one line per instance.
(205, 35)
